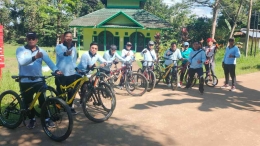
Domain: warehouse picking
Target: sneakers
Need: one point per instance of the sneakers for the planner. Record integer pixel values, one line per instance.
(225, 86)
(168, 85)
(31, 124)
(120, 87)
(179, 85)
(73, 111)
(233, 88)
(49, 123)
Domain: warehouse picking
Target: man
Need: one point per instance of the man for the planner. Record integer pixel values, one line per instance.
(127, 53)
(88, 59)
(149, 54)
(66, 58)
(30, 59)
(196, 60)
(111, 55)
(172, 53)
(229, 63)
(185, 53)
(210, 51)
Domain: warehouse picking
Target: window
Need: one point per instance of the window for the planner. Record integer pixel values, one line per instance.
(126, 39)
(105, 40)
(140, 41)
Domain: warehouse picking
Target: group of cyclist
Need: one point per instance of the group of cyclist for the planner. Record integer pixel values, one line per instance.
(30, 59)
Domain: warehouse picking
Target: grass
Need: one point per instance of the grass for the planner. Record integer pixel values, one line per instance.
(244, 65)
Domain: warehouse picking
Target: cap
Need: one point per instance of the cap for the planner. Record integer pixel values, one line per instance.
(186, 44)
(113, 47)
(129, 44)
(31, 35)
(209, 40)
(150, 43)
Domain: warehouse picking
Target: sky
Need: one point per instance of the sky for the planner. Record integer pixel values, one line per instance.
(199, 11)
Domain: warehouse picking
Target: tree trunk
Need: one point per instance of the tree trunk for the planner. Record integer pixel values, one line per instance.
(59, 15)
(214, 20)
(235, 21)
(248, 25)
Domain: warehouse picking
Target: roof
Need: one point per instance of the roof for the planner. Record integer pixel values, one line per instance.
(139, 19)
(254, 33)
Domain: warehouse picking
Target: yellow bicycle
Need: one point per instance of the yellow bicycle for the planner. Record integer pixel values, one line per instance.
(162, 72)
(13, 111)
(97, 99)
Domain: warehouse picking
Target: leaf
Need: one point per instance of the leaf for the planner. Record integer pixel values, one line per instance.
(228, 25)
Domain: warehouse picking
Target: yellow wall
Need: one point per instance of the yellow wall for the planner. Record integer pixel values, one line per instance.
(88, 34)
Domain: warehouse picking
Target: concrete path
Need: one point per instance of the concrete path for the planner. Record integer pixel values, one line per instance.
(164, 117)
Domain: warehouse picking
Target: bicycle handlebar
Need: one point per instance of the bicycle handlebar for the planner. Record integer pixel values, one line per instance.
(30, 77)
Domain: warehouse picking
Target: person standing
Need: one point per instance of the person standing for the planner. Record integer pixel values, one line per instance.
(127, 53)
(185, 52)
(149, 54)
(210, 51)
(66, 58)
(171, 54)
(30, 59)
(196, 59)
(229, 63)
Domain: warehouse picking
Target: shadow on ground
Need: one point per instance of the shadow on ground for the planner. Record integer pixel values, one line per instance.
(85, 132)
(212, 99)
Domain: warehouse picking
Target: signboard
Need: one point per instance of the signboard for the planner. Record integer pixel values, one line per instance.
(2, 63)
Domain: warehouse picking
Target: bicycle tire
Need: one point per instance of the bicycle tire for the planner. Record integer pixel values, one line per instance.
(53, 93)
(151, 82)
(174, 81)
(158, 76)
(210, 84)
(128, 85)
(14, 107)
(59, 107)
(93, 100)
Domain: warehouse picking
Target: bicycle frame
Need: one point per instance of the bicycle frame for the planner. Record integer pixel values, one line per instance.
(168, 68)
(39, 92)
(81, 81)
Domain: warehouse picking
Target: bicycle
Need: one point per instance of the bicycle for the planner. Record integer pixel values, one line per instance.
(174, 78)
(132, 81)
(147, 71)
(210, 79)
(13, 111)
(92, 96)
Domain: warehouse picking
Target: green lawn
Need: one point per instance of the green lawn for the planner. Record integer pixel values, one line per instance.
(244, 66)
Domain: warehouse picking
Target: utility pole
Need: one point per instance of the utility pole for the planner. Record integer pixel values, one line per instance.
(248, 25)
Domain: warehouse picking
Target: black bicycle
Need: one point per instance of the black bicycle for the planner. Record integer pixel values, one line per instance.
(13, 111)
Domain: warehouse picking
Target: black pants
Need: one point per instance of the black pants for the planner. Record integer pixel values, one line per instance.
(210, 67)
(66, 80)
(167, 79)
(191, 73)
(28, 96)
(184, 69)
(230, 69)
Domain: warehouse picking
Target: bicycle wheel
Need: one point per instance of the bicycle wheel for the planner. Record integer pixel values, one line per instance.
(50, 92)
(151, 81)
(97, 107)
(175, 80)
(10, 109)
(108, 87)
(211, 80)
(56, 110)
(158, 76)
(136, 84)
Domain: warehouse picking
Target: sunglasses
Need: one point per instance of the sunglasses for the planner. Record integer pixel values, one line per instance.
(31, 39)
(231, 40)
(151, 45)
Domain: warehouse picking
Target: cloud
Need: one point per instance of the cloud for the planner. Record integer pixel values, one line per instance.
(199, 11)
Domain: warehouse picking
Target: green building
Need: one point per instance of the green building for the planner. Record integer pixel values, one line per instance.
(119, 22)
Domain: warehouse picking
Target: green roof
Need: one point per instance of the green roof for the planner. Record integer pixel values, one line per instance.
(140, 17)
